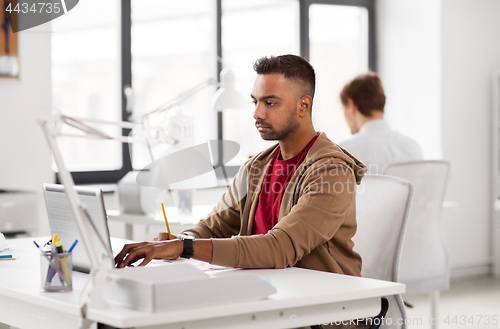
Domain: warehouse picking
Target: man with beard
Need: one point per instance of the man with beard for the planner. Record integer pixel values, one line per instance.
(290, 205)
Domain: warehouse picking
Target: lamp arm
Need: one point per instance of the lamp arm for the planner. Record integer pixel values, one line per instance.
(69, 186)
(168, 105)
(98, 269)
(115, 138)
(122, 124)
(50, 127)
(83, 127)
(77, 207)
(85, 211)
(159, 110)
(79, 124)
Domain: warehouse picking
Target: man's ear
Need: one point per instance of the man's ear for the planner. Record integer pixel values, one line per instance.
(351, 106)
(305, 104)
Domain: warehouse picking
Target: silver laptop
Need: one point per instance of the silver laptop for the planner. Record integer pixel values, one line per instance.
(62, 222)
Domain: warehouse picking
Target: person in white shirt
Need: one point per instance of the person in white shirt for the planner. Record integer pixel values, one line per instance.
(373, 142)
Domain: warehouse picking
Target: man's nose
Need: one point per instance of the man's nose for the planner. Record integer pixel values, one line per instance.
(259, 113)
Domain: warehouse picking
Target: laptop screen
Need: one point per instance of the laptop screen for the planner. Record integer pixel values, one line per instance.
(62, 221)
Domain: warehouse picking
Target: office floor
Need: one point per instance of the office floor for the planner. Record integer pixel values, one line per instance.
(470, 303)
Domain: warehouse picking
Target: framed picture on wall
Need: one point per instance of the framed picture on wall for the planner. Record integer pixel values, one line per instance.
(9, 61)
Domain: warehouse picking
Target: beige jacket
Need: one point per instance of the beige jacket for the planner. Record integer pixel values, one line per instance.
(317, 217)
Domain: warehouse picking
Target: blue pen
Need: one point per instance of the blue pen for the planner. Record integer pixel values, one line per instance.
(72, 246)
(5, 256)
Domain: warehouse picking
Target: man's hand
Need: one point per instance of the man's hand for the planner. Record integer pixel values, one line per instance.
(131, 253)
(164, 236)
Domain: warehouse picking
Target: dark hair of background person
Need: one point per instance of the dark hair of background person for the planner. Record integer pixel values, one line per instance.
(366, 91)
(292, 67)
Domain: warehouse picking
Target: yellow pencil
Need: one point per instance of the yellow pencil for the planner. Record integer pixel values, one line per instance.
(56, 237)
(166, 222)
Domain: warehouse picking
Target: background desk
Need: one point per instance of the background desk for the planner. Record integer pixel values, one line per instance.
(156, 224)
(304, 297)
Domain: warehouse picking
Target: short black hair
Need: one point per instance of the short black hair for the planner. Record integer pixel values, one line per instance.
(293, 67)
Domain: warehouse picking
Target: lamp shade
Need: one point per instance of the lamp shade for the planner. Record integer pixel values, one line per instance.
(226, 97)
(187, 168)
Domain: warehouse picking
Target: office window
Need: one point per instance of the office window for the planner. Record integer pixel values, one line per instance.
(173, 50)
(250, 30)
(162, 48)
(338, 51)
(86, 80)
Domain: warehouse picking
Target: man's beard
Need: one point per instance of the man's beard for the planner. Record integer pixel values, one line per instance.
(291, 126)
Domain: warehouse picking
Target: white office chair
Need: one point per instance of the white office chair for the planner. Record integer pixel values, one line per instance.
(382, 209)
(425, 264)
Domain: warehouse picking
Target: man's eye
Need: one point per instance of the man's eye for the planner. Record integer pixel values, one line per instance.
(271, 103)
(254, 102)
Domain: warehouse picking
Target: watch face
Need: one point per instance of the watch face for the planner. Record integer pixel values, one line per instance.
(187, 237)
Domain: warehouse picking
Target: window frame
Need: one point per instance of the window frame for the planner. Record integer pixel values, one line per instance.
(113, 176)
(304, 25)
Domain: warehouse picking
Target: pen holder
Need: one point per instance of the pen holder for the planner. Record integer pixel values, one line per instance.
(56, 271)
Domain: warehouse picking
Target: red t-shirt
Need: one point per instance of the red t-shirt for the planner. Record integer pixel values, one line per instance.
(277, 177)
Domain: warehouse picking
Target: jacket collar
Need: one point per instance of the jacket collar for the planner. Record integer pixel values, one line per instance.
(321, 148)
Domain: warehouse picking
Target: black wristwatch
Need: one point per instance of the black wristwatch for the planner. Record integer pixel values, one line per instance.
(188, 246)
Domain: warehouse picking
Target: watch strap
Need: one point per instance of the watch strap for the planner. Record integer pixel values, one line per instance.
(188, 247)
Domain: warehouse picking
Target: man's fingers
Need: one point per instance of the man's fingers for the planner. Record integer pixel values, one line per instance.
(162, 236)
(135, 254)
(147, 250)
(122, 253)
(146, 260)
(126, 249)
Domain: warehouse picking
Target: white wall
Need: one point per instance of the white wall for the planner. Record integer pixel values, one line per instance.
(471, 53)
(25, 159)
(408, 61)
(436, 59)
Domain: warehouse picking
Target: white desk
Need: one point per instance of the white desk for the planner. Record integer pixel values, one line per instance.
(304, 297)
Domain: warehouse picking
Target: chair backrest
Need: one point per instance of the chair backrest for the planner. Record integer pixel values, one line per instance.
(382, 209)
(424, 260)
